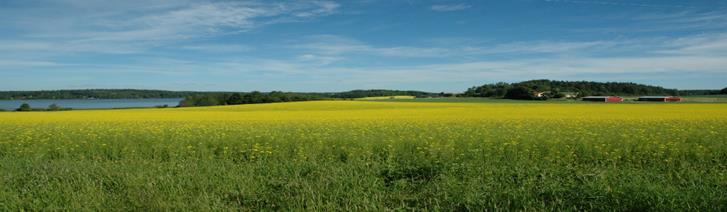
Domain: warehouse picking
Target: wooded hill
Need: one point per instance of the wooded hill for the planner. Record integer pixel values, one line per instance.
(583, 88)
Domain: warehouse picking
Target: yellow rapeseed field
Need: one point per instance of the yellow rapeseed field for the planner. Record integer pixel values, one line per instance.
(359, 155)
(357, 110)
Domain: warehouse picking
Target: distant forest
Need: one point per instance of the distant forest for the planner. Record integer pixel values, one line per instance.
(255, 97)
(702, 92)
(278, 96)
(96, 94)
(145, 94)
(557, 89)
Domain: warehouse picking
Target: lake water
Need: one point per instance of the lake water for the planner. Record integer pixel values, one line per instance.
(89, 103)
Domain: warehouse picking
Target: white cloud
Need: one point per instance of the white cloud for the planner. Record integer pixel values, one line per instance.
(318, 60)
(625, 60)
(92, 26)
(687, 21)
(623, 4)
(704, 45)
(7, 64)
(544, 47)
(223, 48)
(338, 45)
(337, 60)
(331, 45)
(449, 7)
(20, 45)
(699, 45)
(619, 69)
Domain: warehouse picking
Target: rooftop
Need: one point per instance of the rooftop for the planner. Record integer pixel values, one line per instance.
(598, 96)
(655, 97)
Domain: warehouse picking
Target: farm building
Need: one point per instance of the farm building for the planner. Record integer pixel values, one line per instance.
(603, 99)
(550, 94)
(660, 98)
(541, 94)
(570, 94)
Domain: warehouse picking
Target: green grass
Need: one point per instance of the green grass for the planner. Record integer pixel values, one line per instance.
(707, 98)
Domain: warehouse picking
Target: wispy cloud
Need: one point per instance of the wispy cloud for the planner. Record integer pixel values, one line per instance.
(683, 20)
(449, 7)
(225, 43)
(553, 47)
(130, 28)
(429, 77)
(222, 48)
(662, 24)
(698, 45)
(331, 44)
(7, 64)
(624, 4)
(640, 59)
(21, 45)
(339, 45)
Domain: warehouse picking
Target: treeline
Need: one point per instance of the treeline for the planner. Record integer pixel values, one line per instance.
(521, 90)
(96, 94)
(25, 107)
(558, 89)
(145, 94)
(255, 97)
(702, 92)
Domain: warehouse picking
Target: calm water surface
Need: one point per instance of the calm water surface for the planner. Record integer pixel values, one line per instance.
(89, 103)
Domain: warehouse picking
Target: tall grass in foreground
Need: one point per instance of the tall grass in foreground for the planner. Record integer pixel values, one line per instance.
(368, 156)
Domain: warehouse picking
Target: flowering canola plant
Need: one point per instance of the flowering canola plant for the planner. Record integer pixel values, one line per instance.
(360, 155)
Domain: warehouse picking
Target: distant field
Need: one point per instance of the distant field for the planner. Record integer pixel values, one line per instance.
(687, 99)
(476, 100)
(710, 98)
(368, 155)
(386, 97)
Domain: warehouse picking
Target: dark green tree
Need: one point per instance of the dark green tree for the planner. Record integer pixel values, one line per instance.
(208, 101)
(723, 91)
(234, 99)
(54, 107)
(582, 87)
(519, 92)
(24, 107)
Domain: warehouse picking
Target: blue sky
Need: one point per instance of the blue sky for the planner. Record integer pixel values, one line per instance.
(342, 45)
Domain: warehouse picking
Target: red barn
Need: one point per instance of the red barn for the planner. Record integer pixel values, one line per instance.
(602, 99)
(660, 98)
